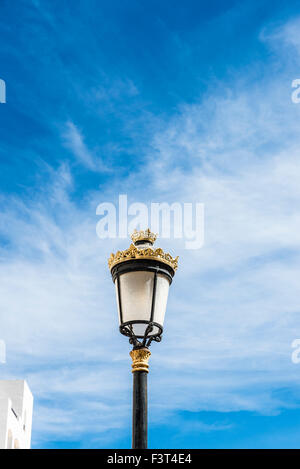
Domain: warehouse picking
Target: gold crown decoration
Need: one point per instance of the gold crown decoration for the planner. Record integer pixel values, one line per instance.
(133, 252)
(143, 236)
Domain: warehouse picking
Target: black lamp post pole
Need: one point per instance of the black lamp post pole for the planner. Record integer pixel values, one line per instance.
(139, 410)
(140, 357)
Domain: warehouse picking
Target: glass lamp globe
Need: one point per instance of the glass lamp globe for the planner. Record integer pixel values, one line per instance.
(142, 276)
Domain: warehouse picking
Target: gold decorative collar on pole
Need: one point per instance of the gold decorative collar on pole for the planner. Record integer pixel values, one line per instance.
(140, 357)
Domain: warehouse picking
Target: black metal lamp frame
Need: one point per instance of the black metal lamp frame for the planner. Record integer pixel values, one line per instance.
(126, 328)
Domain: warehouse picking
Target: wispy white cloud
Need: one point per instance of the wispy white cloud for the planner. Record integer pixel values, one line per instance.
(74, 140)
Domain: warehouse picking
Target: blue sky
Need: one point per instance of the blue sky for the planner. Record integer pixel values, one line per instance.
(162, 101)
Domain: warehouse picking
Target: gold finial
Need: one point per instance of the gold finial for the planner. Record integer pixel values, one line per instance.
(140, 357)
(143, 236)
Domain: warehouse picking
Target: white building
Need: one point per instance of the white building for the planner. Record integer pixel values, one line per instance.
(16, 404)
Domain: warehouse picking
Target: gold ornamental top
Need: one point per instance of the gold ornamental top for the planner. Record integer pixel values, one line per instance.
(143, 249)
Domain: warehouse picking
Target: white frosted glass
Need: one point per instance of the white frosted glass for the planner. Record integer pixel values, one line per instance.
(162, 291)
(136, 295)
(116, 285)
(139, 330)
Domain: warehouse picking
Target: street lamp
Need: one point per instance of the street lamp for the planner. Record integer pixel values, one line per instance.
(142, 276)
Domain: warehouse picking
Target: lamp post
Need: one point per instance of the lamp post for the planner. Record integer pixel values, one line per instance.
(142, 276)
